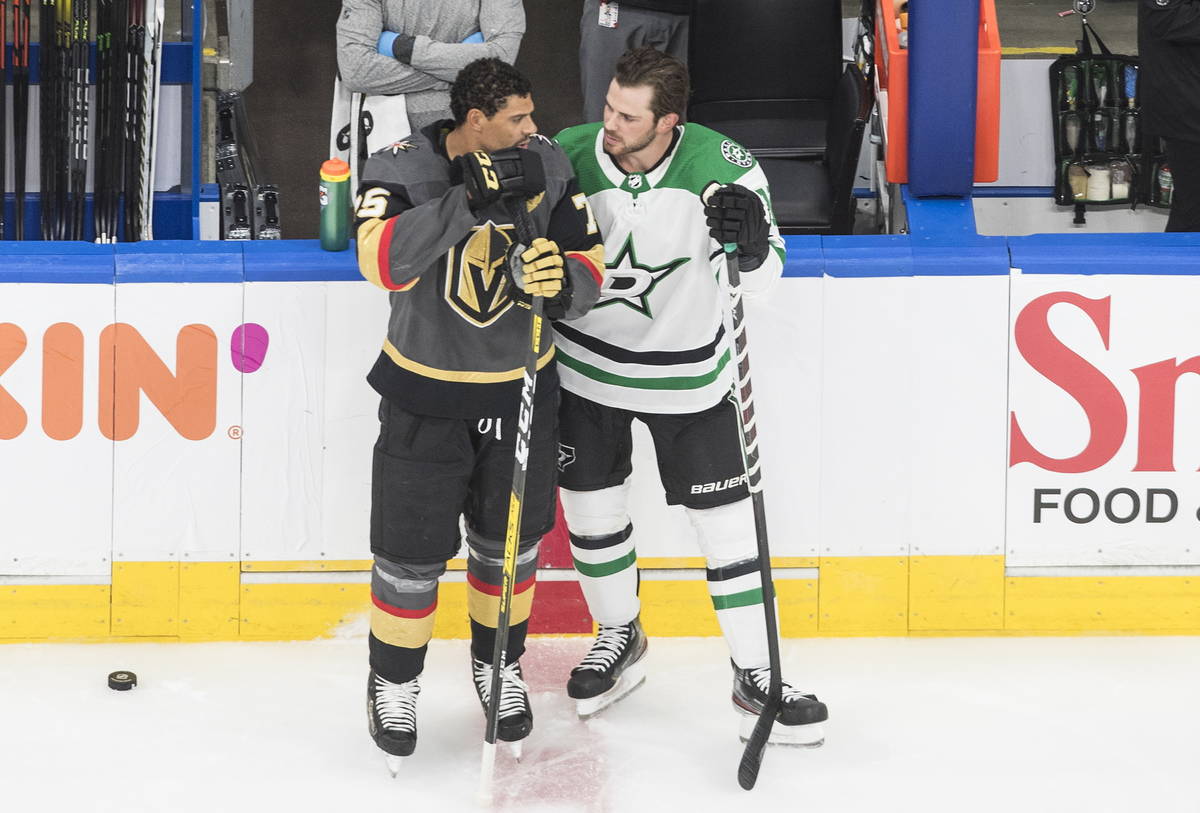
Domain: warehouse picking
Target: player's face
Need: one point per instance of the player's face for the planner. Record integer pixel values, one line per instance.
(629, 124)
(512, 126)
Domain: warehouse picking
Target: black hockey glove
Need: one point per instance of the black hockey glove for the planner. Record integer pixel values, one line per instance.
(540, 271)
(736, 215)
(509, 173)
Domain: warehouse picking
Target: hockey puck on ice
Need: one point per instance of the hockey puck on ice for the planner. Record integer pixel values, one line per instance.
(122, 681)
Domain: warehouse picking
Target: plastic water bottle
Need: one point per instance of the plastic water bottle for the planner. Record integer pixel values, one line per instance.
(335, 205)
(1166, 185)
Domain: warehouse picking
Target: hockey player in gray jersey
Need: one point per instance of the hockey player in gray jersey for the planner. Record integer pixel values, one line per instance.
(654, 349)
(435, 229)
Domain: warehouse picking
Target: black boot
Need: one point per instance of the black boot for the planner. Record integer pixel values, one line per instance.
(799, 717)
(392, 714)
(612, 668)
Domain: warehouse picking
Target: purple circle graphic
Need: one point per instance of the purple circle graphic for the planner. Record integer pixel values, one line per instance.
(248, 347)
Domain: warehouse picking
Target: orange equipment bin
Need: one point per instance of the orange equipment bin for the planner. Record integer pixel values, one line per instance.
(891, 75)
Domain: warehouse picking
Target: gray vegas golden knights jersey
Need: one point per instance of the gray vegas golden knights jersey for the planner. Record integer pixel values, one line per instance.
(456, 339)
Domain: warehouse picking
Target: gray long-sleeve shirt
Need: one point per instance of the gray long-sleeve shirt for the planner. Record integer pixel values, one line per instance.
(438, 54)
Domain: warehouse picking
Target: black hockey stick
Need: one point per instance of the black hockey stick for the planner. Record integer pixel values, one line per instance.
(20, 82)
(753, 754)
(3, 115)
(512, 533)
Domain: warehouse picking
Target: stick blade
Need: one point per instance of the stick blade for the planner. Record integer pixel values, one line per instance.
(752, 756)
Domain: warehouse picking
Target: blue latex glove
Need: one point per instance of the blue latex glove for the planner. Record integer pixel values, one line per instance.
(384, 45)
(476, 38)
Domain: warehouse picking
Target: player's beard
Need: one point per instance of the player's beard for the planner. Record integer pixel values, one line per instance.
(626, 148)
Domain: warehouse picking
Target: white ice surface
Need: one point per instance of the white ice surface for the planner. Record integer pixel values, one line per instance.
(975, 724)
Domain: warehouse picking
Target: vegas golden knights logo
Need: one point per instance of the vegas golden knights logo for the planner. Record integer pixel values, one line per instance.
(477, 274)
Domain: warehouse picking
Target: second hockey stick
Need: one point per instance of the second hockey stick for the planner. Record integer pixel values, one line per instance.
(753, 754)
(512, 533)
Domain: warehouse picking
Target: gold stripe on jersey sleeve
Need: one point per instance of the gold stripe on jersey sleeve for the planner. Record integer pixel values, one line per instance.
(374, 242)
(461, 376)
(593, 258)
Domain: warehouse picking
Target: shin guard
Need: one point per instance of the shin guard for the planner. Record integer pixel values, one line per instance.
(726, 536)
(485, 567)
(403, 601)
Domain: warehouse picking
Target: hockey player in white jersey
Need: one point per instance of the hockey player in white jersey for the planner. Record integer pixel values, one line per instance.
(654, 349)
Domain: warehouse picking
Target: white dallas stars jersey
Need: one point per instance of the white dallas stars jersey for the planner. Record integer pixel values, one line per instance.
(655, 342)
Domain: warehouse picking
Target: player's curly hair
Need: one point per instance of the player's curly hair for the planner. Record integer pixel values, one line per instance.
(667, 76)
(486, 84)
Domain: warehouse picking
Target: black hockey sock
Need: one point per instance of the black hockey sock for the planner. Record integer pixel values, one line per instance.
(396, 663)
(483, 641)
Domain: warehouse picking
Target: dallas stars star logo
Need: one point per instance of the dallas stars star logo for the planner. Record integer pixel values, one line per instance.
(630, 282)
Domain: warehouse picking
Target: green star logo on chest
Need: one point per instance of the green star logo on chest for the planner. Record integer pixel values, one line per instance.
(630, 282)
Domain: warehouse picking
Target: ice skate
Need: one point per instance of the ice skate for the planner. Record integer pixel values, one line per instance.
(613, 667)
(515, 717)
(800, 715)
(392, 717)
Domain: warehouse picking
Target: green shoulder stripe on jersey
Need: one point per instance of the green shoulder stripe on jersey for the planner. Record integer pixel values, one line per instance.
(579, 143)
(683, 382)
(704, 155)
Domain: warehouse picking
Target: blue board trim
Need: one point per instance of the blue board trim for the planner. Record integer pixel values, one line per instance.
(1175, 254)
(805, 257)
(179, 261)
(298, 261)
(62, 263)
(864, 256)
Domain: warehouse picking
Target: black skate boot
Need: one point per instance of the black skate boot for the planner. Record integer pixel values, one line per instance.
(392, 717)
(800, 715)
(515, 714)
(613, 668)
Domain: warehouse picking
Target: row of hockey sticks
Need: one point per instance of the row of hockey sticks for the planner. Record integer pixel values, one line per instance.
(128, 65)
(48, 94)
(63, 112)
(126, 99)
(3, 116)
(16, 54)
(22, 9)
(110, 126)
(80, 23)
(752, 755)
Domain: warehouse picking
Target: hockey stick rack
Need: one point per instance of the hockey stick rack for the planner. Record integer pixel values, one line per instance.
(249, 208)
(70, 75)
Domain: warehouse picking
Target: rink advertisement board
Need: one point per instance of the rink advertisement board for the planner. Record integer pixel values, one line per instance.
(1103, 453)
(188, 430)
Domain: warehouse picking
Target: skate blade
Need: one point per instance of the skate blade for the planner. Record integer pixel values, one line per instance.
(630, 679)
(797, 736)
(516, 749)
(393, 764)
